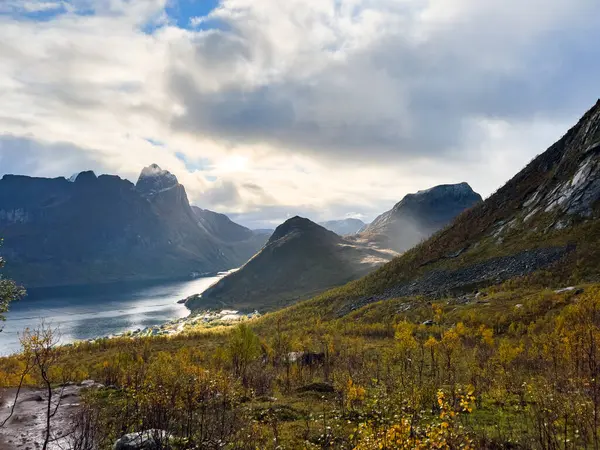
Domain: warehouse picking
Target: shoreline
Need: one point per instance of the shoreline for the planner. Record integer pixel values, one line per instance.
(204, 319)
(194, 321)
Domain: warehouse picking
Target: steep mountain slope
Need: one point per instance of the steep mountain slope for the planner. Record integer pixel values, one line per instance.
(221, 226)
(99, 229)
(417, 216)
(542, 224)
(241, 241)
(300, 259)
(344, 227)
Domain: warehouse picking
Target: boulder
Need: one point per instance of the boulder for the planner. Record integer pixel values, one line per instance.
(563, 290)
(91, 384)
(143, 440)
(573, 289)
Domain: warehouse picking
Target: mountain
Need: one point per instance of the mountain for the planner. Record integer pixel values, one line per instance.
(541, 227)
(153, 180)
(242, 241)
(92, 229)
(221, 226)
(300, 259)
(417, 216)
(344, 227)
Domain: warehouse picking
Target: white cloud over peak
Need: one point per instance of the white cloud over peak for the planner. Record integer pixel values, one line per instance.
(266, 108)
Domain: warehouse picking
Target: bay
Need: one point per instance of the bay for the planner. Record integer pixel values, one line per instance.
(89, 312)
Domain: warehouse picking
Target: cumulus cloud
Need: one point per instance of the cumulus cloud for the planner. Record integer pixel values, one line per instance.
(264, 108)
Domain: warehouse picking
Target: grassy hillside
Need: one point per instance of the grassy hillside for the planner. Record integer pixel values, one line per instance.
(512, 368)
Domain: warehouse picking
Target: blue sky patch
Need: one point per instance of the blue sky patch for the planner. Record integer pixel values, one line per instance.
(39, 12)
(181, 12)
(194, 165)
(155, 142)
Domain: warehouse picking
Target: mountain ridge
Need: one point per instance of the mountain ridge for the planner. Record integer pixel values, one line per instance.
(95, 229)
(418, 215)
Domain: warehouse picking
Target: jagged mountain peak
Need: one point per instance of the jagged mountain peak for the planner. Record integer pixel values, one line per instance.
(153, 179)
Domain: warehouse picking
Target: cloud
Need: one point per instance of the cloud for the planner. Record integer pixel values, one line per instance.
(383, 81)
(224, 194)
(269, 108)
(22, 155)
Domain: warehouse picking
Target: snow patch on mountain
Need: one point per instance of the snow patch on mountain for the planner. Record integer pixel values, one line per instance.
(154, 180)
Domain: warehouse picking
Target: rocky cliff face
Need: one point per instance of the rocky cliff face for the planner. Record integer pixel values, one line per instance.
(574, 189)
(556, 191)
(96, 229)
(417, 216)
(300, 259)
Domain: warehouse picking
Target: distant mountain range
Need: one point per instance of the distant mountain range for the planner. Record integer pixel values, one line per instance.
(91, 229)
(95, 229)
(344, 227)
(417, 216)
(300, 259)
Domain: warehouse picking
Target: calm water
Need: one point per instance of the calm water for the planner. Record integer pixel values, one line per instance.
(94, 311)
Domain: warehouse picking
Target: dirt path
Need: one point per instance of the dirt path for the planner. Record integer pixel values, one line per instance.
(25, 429)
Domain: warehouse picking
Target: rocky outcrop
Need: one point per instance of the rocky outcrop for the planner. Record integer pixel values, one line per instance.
(143, 440)
(574, 190)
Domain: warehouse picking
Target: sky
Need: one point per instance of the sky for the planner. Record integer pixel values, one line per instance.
(266, 109)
